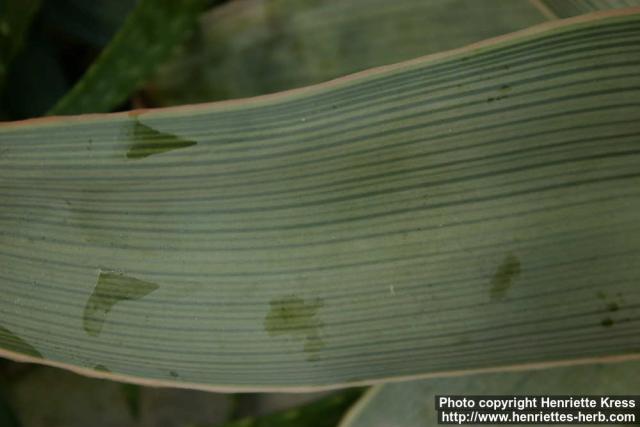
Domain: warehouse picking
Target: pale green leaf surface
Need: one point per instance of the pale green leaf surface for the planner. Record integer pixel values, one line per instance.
(147, 37)
(251, 47)
(467, 211)
(412, 403)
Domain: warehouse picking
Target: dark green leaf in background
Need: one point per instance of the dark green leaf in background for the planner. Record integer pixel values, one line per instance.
(147, 37)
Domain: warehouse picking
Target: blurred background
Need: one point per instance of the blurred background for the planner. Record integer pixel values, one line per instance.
(239, 48)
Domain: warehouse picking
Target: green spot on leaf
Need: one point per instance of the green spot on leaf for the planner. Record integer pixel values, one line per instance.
(111, 289)
(101, 368)
(295, 317)
(504, 277)
(145, 141)
(607, 322)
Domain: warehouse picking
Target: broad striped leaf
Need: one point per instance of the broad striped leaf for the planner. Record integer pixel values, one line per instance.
(462, 212)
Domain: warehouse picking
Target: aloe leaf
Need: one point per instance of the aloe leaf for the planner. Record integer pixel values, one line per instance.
(412, 403)
(148, 36)
(252, 47)
(463, 212)
(15, 20)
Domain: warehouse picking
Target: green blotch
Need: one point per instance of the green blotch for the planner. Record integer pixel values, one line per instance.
(504, 277)
(111, 289)
(607, 322)
(145, 141)
(601, 295)
(101, 368)
(294, 317)
(613, 307)
(10, 341)
(174, 374)
(505, 88)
